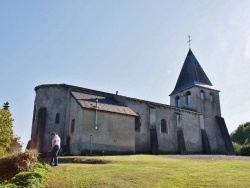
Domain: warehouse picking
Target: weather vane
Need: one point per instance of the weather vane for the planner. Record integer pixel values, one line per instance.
(189, 41)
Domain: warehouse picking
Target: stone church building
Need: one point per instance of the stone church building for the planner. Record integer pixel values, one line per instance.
(96, 122)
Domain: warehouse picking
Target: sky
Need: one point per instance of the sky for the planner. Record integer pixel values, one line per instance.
(136, 47)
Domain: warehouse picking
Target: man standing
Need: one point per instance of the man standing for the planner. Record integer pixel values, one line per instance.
(56, 141)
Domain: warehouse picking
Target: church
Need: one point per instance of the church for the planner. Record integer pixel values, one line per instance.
(92, 122)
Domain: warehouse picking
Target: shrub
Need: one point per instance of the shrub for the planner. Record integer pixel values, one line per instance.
(29, 179)
(13, 164)
(237, 148)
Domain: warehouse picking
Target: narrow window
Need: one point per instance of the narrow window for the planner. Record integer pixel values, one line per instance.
(34, 113)
(41, 124)
(177, 99)
(72, 125)
(57, 118)
(211, 97)
(202, 95)
(137, 123)
(188, 97)
(163, 126)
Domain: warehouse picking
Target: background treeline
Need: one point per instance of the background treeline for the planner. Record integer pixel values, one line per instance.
(241, 139)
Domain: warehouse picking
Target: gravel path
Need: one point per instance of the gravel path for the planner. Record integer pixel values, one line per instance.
(222, 157)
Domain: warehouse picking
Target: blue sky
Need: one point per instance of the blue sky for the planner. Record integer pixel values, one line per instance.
(136, 47)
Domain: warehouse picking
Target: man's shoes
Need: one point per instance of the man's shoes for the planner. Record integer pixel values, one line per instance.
(53, 164)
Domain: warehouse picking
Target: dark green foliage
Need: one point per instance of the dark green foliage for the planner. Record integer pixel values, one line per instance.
(237, 148)
(242, 134)
(6, 133)
(245, 150)
(241, 139)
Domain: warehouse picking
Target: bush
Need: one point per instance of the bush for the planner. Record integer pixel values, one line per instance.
(237, 148)
(13, 164)
(29, 179)
(245, 150)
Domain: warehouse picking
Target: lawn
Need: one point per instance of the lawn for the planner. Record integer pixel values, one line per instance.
(150, 171)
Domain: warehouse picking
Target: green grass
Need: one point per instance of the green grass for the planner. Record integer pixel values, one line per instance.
(151, 171)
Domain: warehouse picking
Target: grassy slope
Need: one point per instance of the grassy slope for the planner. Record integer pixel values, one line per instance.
(152, 171)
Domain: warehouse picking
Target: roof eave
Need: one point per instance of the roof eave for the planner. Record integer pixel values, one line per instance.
(195, 84)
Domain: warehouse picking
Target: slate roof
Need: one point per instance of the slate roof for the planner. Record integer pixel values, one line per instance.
(191, 74)
(105, 103)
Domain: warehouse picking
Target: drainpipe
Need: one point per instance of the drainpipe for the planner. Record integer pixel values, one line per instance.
(96, 111)
(90, 149)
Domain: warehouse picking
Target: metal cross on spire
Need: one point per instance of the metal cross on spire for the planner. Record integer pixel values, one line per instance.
(189, 41)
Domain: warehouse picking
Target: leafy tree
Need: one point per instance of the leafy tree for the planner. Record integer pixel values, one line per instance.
(6, 133)
(242, 134)
(241, 139)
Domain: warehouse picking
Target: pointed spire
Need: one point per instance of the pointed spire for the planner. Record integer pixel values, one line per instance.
(191, 74)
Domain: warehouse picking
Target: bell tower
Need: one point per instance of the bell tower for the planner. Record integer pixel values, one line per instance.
(195, 92)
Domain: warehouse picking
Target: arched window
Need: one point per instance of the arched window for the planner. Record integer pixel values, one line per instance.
(211, 97)
(202, 95)
(57, 118)
(188, 97)
(163, 126)
(177, 100)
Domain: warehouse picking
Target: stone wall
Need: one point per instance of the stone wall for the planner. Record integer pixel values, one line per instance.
(114, 134)
(151, 116)
(54, 100)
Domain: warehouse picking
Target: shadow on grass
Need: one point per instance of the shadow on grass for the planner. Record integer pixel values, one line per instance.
(79, 160)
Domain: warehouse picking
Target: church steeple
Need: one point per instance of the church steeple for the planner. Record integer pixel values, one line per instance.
(191, 74)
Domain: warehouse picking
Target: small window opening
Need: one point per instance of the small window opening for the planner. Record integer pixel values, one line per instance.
(177, 101)
(163, 126)
(188, 97)
(57, 120)
(211, 97)
(202, 95)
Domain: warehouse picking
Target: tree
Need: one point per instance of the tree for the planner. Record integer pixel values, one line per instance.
(6, 133)
(242, 134)
(241, 139)
(15, 145)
